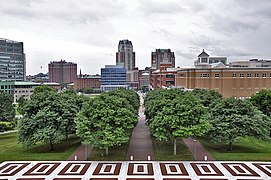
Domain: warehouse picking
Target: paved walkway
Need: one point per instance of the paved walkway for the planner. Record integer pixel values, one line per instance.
(140, 146)
(200, 150)
(80, 153)
(7, 132)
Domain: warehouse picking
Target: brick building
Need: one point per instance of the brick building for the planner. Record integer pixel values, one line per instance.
(62, 71)
(87, 82)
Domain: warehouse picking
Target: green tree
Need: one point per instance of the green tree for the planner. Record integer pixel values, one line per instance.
(182, 116)
(105, 121)
(44, 89)
(48, 117)
(130, 95)
(207, 97)
(262, 100)
(21, 103)
(232, 118)
(7, 112)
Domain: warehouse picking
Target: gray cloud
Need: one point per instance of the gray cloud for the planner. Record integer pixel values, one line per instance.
(88, 31)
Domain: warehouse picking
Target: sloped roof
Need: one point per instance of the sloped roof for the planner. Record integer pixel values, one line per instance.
(203, 54)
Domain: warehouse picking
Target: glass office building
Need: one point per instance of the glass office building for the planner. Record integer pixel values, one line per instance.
(12, 60)
(113, 77)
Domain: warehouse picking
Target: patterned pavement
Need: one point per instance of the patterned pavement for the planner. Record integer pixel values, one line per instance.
(135, 170)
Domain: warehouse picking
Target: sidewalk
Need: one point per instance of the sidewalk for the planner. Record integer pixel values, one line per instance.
(140, 146)
(200, 150)
(80, 153)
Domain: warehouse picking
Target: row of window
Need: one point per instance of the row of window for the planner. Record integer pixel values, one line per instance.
(234, 75)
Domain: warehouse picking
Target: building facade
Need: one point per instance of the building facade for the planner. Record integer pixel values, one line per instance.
(162, 57)
(125, 57)
(164, 78)
(62, 71)
(87, 82)
(12, 60)
(18, 89)
(113, 77)
(238, 82)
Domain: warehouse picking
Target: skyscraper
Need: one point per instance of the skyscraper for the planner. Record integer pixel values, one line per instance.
(162, 58)
(125, 55)
(12, 60)
(62, 71)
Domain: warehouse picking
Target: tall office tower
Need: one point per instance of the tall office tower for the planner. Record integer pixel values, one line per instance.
(62, 71)
(125, 55)
(12, 60)
(162, 58)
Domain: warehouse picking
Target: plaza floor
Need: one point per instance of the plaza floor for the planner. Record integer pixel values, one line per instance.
(135, 170)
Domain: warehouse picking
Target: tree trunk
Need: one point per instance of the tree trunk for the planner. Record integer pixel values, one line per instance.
(230, 146)
(106, 151)
(51, 145)
(175, 147)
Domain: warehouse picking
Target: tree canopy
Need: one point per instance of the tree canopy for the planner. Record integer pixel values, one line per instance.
(48, 117)
(175, 114)
(7, 112)
(262, 100)
(232, 118)
(106, 120)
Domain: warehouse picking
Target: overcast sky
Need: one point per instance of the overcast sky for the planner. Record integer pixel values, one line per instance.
(88, 31)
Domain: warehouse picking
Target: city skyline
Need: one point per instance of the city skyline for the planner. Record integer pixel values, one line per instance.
(88, 32)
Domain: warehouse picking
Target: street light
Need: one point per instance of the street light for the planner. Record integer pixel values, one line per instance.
(195, 150)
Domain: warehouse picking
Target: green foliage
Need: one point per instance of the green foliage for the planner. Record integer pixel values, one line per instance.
(7, 112)
(21, 103)
(262, 100)
(232, 118)
(106, 121)
(207, 97)
(6, 126)
(130, 95)
(44, 89)
(175, 114)
(49, 117)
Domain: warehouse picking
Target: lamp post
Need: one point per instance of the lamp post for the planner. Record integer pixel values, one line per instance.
(195, 150)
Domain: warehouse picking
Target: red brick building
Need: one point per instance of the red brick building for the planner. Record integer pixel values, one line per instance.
(87, 82)
(165, 77)
(62, 71)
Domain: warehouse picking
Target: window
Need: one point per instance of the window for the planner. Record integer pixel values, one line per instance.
(234, 75)
(205, 75)
(264, 75)
(204, 60)
(170, 76)
(249, 75)
(217, 75)
(241, 75)
(256, 75)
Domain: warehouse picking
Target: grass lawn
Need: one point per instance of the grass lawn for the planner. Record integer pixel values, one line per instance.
(11, 150)
(244, 149)
(164, 151)
(118, 153)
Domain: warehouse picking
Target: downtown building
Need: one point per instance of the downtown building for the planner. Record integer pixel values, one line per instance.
(163, 69)
(62, 72)
(113, 77)
(125, 57)
(12, 60)
(162, 58)
(240, 80)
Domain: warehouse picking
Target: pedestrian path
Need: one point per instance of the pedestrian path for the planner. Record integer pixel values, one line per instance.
(81, 153)
(196, 146)
(140, 146)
